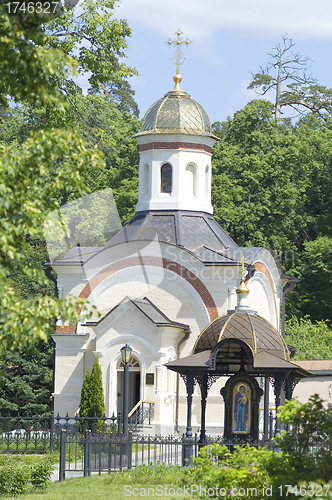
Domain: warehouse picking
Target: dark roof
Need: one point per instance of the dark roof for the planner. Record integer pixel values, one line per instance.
(194, 231)
(264, 362)
(78, 255)
(200, 361)
(252, 329)
(152, 312)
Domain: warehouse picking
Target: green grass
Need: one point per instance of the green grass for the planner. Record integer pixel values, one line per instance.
(109, 486)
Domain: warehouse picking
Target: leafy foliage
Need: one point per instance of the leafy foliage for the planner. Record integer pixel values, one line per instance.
(43, 167)
(246, 472)
(312, 340)
(95, 40)
(308, 443)
(27, 380)
(85, 394)
(29, 70)
(259, 185)
(47, 163)
(23, 474)
(316, 284)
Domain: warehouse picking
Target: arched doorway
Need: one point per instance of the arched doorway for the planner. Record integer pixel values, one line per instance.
(134, 383)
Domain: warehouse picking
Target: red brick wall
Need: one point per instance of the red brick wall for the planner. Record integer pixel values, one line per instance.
(260, 268)
(175, 145)
(158, 262)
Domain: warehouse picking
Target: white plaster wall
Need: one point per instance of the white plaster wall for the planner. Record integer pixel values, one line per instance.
(150, 197)
(321, 385)
(69, 369)
(261, 298)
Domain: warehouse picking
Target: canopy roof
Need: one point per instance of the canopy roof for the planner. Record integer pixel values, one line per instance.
(239, 341)
(252, 329)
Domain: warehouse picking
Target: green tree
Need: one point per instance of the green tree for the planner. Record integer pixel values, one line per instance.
(85, 395)
(286, 74)
(259, 185)
(92, 402)
(312, 340)
(49, 165)
(97, 400)
(96, 41)
(315, 285)
(27, 380)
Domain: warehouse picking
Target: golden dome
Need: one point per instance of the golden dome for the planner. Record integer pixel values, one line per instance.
(176, 113)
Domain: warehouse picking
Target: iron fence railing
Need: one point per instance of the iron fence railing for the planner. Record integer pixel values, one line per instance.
(141, 414)
(98, 453)
(41, 433)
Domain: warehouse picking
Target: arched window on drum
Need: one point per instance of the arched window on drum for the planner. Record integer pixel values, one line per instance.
(166, 178)
(191, 179)
(207, 181)
(145, 189)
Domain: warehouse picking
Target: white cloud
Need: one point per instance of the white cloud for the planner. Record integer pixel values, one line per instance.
(200, 20)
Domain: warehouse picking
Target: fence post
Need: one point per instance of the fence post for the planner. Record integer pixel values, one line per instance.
(87, 448)
(62, 463)
(51, 431)
(119, 423)
(271, 425)
(130, 448)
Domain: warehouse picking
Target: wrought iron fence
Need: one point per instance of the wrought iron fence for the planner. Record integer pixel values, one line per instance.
(98, 453)
(41, 433)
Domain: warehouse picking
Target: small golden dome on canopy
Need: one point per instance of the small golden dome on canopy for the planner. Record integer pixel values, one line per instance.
(242, 288)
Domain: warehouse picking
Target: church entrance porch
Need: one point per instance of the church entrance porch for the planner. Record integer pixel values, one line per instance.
(134, 384)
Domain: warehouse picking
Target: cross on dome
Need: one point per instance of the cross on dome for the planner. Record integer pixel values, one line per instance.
(178, 56)
(243, 261)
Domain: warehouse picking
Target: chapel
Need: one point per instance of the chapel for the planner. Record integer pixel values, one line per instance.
(163, 278)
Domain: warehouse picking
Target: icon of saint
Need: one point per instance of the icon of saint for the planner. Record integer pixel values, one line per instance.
(241, 405)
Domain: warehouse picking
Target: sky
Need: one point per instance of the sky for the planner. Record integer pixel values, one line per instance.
(230, 40)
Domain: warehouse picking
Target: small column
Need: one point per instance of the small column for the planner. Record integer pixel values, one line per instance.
(266, 407)
(277, 390)
(231, 299)
(203, 387)
(158, 379)
(188, 446)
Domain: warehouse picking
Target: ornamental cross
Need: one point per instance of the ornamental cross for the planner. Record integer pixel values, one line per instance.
(178, 54)
(243, 261)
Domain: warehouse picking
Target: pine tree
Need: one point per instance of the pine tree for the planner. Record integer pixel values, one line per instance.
(84, 404)
(92, 396)
(96, 392)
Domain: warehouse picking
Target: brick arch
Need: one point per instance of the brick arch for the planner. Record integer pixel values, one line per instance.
(175, 267)
(261, 268)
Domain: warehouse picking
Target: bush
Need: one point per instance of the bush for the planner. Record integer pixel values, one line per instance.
(20, 473)
(308, 442)
(244, 473)
(303, 467)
